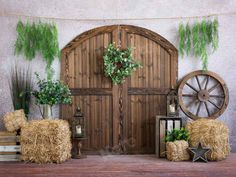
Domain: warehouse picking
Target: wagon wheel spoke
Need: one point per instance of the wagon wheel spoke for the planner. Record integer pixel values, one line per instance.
(189, 95)
(198, 109)
(207, 109)
(207, 81)
(213, 87)
(191, 103)
(214, 104)
(217, 96)
(191, 87)
(198, 82)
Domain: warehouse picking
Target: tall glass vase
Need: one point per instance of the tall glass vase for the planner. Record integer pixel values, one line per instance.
(47, 111)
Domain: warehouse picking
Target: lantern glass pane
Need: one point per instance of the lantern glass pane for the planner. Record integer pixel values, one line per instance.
(170, 125)
(177, 124)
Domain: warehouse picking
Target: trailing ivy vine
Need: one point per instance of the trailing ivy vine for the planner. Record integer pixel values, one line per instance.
(198, 39)
(119, 64)
(39, 38)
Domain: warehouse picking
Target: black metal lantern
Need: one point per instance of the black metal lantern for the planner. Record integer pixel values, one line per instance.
(78, 124)
(172, 103)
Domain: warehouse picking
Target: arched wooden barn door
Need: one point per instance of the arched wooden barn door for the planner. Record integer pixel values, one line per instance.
(144, 93)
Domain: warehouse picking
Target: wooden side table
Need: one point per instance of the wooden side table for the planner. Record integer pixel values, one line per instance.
(79, 146)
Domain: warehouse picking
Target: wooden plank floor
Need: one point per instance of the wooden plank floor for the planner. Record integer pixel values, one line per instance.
(123, 166)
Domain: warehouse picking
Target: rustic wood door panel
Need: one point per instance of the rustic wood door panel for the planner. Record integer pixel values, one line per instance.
(143, 94)
(140, 122)
(146, 89)
(98, 114)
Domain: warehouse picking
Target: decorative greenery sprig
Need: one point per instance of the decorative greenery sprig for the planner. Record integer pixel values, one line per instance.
(119, 64)
(39, 38)
(175, 134)
(52, 92)
(198, 38)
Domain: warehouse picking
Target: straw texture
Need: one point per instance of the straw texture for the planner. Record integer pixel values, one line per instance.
(14, 120)
(177, 150)
(213, 134)
(46, 141)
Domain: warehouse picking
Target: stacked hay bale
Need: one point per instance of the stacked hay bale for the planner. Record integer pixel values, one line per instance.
(14, 120)
(177, 150)
(213, 134)
(46, 141)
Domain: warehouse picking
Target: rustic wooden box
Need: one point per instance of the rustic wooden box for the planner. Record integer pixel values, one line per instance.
(9, 146)
(161, 131)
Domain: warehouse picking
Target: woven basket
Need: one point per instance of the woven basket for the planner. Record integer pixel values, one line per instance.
(14, 120)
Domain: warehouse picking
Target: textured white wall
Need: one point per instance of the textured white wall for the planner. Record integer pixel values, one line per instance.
(73, 17)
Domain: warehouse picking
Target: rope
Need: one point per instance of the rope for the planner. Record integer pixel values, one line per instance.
(5, 14)
(67, 79)
(121, 135)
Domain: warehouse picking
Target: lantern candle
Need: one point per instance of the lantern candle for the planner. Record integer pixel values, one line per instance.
(78, 130)
(172, 108)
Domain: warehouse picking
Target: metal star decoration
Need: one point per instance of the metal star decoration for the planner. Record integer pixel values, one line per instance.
(199, 153)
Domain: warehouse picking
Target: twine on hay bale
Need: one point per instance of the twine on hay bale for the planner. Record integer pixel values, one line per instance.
(177, 150)
(46, 141)
(213, 134)
(14, 120)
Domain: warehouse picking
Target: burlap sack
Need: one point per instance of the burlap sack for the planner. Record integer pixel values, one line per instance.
(14, 120)
(177, 150)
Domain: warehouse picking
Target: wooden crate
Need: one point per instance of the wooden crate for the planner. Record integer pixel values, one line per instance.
(9, 146)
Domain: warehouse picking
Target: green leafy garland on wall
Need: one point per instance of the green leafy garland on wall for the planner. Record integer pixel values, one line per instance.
(198, 38)
(119, 64)
(41, 38)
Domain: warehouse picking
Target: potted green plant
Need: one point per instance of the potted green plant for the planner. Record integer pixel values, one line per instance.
(50, 93)
(177, 145)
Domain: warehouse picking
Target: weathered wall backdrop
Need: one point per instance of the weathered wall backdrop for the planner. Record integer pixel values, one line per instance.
(73, 17)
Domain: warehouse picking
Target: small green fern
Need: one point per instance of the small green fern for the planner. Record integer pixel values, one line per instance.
(177, 134)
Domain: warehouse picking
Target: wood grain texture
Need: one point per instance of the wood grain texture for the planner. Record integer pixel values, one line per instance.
(144, 93)
(121, 166)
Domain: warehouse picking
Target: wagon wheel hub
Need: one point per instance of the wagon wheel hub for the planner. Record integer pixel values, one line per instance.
(203, 95)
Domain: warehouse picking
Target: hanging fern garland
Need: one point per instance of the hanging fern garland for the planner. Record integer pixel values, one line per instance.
(199, 38)
(215, 35)
(188, 39)
(119, 64)
(181, 39)
(38, 38)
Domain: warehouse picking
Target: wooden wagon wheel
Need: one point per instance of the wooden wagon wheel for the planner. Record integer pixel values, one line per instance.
(203, 94)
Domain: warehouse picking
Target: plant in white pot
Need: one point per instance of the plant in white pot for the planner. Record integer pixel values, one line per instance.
(51, 92)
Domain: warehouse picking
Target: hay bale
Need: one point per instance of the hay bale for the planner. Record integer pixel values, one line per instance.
(213, 134)
(46, 141)
(177, 150)
(14, 120)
